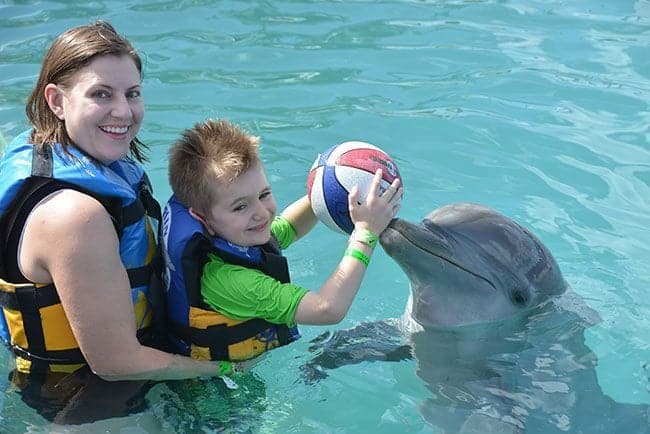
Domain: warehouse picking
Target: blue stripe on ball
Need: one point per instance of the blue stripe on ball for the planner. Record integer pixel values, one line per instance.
(322, 161)
(336, 199)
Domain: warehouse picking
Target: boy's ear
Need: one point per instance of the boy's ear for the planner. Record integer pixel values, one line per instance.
(196, 215)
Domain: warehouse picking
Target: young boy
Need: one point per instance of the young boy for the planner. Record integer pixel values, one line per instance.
(228, 289)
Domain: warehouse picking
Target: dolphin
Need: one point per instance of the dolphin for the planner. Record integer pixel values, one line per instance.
(496, 332)
(468, 264)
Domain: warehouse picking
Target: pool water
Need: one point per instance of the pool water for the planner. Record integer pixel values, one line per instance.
(537, 108)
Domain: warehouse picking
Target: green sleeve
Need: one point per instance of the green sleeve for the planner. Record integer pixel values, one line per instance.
(245, 293)
(283, 231)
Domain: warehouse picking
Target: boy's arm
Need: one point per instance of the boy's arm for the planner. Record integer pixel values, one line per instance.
(301, 216)
(331, 303)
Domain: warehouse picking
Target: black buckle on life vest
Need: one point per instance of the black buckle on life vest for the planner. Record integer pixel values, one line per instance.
(139, 276)
(47, 296)
(42, 162)
(41, 363)
(59, 357)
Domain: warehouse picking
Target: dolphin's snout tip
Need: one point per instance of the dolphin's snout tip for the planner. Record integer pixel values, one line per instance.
(385, 236)
(392, 222)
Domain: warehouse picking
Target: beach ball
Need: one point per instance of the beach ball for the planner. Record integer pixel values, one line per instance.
(336, 171)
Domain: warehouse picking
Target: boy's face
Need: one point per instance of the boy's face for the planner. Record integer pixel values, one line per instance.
(244, 209)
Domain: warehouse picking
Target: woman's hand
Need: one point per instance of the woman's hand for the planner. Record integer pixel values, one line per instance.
(379, 208)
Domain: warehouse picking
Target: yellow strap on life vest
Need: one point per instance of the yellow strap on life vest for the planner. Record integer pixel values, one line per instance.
(239, 351)
(11, 287)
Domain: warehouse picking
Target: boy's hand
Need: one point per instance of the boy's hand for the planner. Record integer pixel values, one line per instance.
(378, 209)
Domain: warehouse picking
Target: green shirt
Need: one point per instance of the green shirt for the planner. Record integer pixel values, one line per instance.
(244, 293)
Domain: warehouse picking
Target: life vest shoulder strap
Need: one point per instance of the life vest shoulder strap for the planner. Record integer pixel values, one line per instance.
(35, 190)
(144, 204)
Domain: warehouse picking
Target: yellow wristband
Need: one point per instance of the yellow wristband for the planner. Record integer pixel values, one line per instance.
(364, 236)
(357, 254)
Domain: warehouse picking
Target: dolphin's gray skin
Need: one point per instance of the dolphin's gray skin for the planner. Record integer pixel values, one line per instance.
(496, 334)
(468, 264)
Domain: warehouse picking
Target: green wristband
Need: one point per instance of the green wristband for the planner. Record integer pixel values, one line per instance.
(364, 236)
(357, 254)
(225, 368)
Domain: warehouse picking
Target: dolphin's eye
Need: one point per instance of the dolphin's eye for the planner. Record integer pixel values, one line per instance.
(519, 297)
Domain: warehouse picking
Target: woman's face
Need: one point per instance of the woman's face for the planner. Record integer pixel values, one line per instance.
(102, 108)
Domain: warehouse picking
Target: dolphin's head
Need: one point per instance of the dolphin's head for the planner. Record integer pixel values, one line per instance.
(468, 264)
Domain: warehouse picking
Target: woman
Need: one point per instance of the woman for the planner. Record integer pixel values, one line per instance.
(79, 220)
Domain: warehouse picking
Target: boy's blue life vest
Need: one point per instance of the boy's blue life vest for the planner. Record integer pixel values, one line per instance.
(196, 329)
(32, 321)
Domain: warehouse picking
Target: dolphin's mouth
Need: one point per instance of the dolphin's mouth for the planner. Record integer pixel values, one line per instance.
(422, 239)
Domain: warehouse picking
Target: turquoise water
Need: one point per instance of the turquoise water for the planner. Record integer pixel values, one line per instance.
(539, 109)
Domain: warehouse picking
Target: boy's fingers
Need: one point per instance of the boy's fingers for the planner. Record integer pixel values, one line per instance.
(376, 182)
(354, 196)
(394, 191)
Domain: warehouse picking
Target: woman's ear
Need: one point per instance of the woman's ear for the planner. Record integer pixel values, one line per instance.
(196, 215)
(54, 98)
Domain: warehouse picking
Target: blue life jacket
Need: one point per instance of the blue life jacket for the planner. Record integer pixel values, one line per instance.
(32, 320)
(196, 329)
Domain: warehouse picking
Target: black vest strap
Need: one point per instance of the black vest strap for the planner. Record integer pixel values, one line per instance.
(140, 276)
(41, 363)
(145, 204)
(14, 300)
(131, 213)
(219, 336)
(34, 191)
(149, 202)
(159, 330)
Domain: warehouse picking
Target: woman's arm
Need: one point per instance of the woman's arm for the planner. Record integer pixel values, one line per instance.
(69, 239)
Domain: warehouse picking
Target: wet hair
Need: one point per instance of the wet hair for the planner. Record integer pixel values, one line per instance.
(210, 153)
(71, 51)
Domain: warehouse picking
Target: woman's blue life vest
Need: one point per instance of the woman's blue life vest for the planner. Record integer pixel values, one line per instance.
(196, 329)
(33, 322)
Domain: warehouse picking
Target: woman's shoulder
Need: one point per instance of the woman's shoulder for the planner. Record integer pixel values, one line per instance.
(71, 209)
(66, 228)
